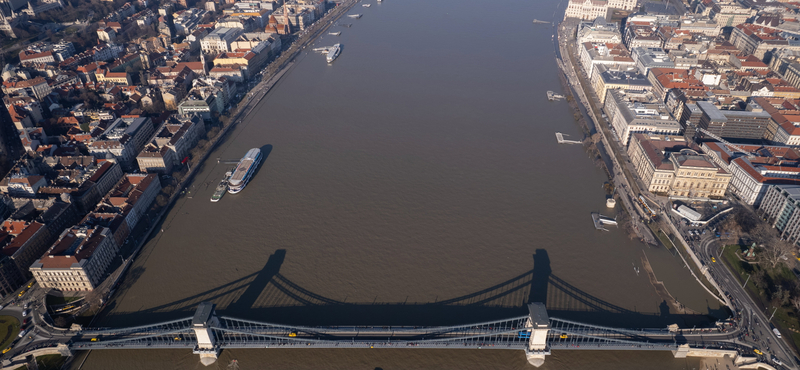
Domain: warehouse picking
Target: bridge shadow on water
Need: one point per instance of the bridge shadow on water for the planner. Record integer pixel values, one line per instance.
(268, 296)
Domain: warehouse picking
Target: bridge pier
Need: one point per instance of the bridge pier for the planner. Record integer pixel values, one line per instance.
(204, 319)
(539, 322)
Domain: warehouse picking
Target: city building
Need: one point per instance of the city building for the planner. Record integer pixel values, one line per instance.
(219, 40)
(636, 111)
(751, 123)
(131, 197)
(647, 58)
(592, 9)
(123, 140)
(605, 79)
(758, 40)
(171, 144)
(668, 165)
(22, 242)
(77, 261)
(755, 167)
(599, 31)
(611, 55)
(780, 208)
(665, 79)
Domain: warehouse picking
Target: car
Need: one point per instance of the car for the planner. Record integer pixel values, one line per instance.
(713, 259)
(25, 306)
(564, 336)
(24, 332)
(31, 283)
(293, 334)
(25, 313)
(757, 351)
(6, 350)
(22, 293)
(95, 339)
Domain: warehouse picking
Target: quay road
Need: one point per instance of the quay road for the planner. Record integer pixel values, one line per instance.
(752, 325)
(755, 323)
(627, 191)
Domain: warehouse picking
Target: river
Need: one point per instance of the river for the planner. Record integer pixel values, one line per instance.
(421, 166)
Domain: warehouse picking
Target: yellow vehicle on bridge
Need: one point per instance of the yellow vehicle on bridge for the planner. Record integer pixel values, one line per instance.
(6, 350)
(564, 336)
(95, 340)
(293, 334)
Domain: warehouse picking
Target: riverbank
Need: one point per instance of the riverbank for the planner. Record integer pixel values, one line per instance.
(624, 177)
(274, 72)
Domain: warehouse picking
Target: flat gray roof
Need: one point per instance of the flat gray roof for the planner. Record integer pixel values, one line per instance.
(712, 111)
(203, 314)
(539, 316)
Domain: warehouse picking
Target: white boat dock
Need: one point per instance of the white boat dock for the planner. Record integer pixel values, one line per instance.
(600, 221)
(335, 33)
(356, 16)
(561, 140)
(553, 96)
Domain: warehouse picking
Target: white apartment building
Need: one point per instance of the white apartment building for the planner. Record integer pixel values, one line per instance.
(592, 9)
(77, 261)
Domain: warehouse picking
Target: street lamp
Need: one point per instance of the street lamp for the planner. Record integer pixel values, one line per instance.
(745, 282)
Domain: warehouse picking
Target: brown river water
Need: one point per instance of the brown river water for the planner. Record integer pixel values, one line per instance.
(420, 167)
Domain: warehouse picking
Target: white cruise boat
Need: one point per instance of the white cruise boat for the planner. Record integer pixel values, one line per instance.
(356, 16)
(244, 171)
(333, 53)
(366, 5)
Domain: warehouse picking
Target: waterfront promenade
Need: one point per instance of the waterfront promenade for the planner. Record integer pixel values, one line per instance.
(629, 185)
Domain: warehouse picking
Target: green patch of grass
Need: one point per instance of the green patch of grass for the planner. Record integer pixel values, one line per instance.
(50, 362)
(9, 329)
(85, 126)
(53, 300)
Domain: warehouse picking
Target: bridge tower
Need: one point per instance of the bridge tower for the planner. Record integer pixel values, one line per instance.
(539, 323)
(204, 320)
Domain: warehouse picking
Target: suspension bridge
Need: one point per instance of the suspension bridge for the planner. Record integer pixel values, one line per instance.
(192, 322)
(206, 334)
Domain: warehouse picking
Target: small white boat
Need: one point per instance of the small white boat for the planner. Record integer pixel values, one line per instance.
(366, 5)
(335, 33)
(356, 16)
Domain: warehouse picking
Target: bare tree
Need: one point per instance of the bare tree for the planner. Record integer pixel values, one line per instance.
(760, 279)
(776, 252)
(781, 296)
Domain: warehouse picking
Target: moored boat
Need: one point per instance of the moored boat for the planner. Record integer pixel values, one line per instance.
(333, 53)
(221, 188)
(244, 171)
